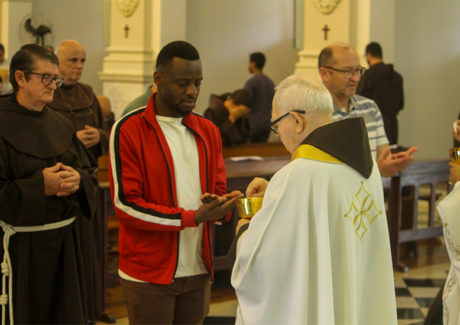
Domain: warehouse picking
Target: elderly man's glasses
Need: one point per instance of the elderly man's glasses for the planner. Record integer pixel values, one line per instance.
(48, 79)
(348, 72)
(273, 125)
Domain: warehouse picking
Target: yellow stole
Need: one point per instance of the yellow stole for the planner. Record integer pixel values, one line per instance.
(309, 152)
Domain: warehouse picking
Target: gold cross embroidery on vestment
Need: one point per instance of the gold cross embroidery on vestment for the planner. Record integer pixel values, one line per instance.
(364, 210)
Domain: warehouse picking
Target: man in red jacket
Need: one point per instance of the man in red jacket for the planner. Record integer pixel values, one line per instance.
(167, 178)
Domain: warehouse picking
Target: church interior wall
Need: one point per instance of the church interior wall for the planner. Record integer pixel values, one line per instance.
(425, 51)
(427, 54)
(81, 20)
(382, 28)
(226, 32)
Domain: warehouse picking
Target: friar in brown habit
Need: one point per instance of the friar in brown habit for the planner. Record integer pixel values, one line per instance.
(46, 186)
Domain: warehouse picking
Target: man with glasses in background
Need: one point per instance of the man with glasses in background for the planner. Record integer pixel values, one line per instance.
(46, 184)
(340, 71)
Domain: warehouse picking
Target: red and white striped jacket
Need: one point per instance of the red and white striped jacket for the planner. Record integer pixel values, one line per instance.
(143, 187)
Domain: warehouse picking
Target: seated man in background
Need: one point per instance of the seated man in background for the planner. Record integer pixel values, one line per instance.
(140, 100)
(228, 112)
(318, 251)
(108, 118)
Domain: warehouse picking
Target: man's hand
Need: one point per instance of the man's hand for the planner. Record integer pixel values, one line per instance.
(89, 136)
(241, 223)
(456, 130)
(454, 172)
(70, 181)
(390, 164)
(215, 207)
(257, 187)
(60, 180)
(51, 179)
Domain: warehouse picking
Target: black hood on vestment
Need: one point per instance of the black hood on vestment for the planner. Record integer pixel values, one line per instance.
(347, 141)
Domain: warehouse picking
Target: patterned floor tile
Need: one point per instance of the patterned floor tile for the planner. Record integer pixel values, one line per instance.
(406, 302)
(402, 292)
(424, 302)
(219, 320)
(424, 282)
(425, 310)
(226, 308)
(410, 313)
(424, 292)
(410, 321)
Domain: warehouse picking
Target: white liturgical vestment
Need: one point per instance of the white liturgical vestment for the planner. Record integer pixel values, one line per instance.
(449, 209)
(318, 251)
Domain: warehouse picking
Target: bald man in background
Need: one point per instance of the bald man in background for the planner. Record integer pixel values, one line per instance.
(78, 103)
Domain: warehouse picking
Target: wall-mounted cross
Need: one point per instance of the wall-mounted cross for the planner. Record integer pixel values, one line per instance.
(126, 30)
(325, 30)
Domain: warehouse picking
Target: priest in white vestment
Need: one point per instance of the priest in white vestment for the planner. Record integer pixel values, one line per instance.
(318, 251)
(449, 210)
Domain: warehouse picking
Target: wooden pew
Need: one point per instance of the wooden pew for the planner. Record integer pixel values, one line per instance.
(431, 172)
(255, 149)
(110, 220)
(240, 173)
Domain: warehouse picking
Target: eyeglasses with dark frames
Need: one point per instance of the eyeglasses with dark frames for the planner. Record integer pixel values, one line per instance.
(273, 126)
(48, 79)
(348, 72)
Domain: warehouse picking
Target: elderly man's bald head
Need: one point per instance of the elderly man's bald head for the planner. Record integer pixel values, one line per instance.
(326, 56)
(72, 57)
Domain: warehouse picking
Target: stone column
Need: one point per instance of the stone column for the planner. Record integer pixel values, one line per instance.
(355, 22)
(127, 69)
(138, 31)
(325, 22)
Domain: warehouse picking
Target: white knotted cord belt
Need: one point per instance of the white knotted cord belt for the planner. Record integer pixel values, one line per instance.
(6, 297)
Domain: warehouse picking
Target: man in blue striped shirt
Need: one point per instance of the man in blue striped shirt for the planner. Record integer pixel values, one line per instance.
(340, 71)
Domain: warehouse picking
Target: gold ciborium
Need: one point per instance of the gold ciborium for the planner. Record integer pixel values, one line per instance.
(454, 154)
(248, 206)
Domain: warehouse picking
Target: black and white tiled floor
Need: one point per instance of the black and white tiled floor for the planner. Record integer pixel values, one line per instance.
(416, 290)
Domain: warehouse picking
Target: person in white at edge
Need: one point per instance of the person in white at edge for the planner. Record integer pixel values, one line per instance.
(449, 209)
(318, 251)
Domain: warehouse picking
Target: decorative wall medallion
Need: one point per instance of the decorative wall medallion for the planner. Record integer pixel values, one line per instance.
(326, 7)
(127, 7)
